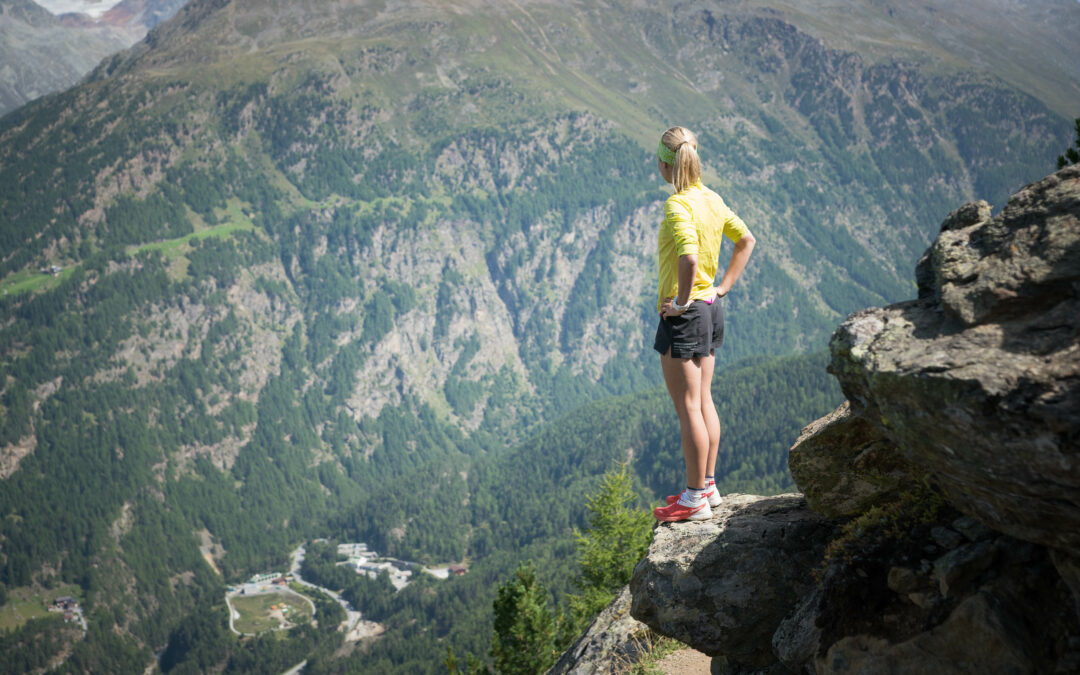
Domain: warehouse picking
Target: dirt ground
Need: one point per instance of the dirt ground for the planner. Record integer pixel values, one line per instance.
(685, 662)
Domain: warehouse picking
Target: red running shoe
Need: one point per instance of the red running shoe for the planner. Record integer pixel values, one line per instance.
(676, 512)
(712, 496)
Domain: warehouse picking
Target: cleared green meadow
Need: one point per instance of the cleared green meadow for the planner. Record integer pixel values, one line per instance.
(24, 604)
(29, 281)
(269, 611)
(26, 281)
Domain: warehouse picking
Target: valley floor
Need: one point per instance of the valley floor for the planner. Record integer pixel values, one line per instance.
(364, 562)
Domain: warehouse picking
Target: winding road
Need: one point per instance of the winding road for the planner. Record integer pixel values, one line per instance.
(352, 617)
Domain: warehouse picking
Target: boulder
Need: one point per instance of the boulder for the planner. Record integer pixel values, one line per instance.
(724, 585)
(978, 381)
(798, 637)
(928, 269)
(959, 566)
(993, 605)
(611, 639)
(844, 464)
(978, 637)
(1069, 569)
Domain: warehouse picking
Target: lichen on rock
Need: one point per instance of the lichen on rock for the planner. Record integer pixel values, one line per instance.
(844, 464)
(722, 585)
(982, 389)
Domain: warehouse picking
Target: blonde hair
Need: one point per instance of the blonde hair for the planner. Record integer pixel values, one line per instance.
(686, 170)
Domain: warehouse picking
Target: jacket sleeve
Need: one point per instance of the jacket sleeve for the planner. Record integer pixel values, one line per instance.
(677, 215)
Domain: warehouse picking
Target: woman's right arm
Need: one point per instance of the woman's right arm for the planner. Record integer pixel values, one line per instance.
(739, 256)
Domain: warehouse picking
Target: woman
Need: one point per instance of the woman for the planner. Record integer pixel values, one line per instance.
(691, 318)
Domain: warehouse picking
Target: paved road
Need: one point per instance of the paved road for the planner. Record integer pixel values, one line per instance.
(352, 617)
(81, 618)
(296, 669)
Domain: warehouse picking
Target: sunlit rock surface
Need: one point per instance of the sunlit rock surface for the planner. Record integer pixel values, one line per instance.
(955, 462)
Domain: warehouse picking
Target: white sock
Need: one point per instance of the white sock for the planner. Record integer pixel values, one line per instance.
(691, 497)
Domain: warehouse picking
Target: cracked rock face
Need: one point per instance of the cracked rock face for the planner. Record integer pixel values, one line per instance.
(844, 464)
(610, 640)
(723, 585)
(989, 606)
(978, 381)
(945, 649)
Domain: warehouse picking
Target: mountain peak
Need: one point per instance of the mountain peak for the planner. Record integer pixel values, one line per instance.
(27, 12)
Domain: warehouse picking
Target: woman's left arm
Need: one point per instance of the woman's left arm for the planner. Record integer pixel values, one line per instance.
(739, 256)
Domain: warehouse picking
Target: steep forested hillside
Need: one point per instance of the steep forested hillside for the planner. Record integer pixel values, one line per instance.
(308, 258)
(524, 504)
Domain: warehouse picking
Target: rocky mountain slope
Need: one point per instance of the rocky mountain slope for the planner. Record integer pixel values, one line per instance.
(131, 18)
(39, 54)
(305, 253)
(42, 53)
(937, 532)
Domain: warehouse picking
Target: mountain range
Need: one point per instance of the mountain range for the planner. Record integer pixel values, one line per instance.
(133, 18)
(300, 259)
(41, 53)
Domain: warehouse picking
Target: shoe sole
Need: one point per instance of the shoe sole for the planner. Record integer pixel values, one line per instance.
(704, 513)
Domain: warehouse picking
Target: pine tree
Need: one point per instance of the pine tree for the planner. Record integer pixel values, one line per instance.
(1071, 155)
(524, 641)
(473, 665)
(616, 538)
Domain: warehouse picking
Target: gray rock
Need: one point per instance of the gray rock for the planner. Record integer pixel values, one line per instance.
(903, 580)
(845, 464)
(946, 538)
(609, 641)
(976, 387)
(798, 637)
(959, 567)
(978, 637)
(1006, 611)
(925, 599)
(971, 528)
(982, 388)
(1069, 568)
(995, 267)
(972, 213)
(724, 585)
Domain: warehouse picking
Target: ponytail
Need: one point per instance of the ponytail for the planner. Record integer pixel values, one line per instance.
(685, 164)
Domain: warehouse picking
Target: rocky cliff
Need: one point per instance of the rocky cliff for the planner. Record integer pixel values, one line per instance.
(940, 526)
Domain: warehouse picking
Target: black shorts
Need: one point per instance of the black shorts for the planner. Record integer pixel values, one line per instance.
(695, 333)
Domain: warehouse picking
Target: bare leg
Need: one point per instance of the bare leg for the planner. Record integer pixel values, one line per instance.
(683, 379)
(708, 413)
